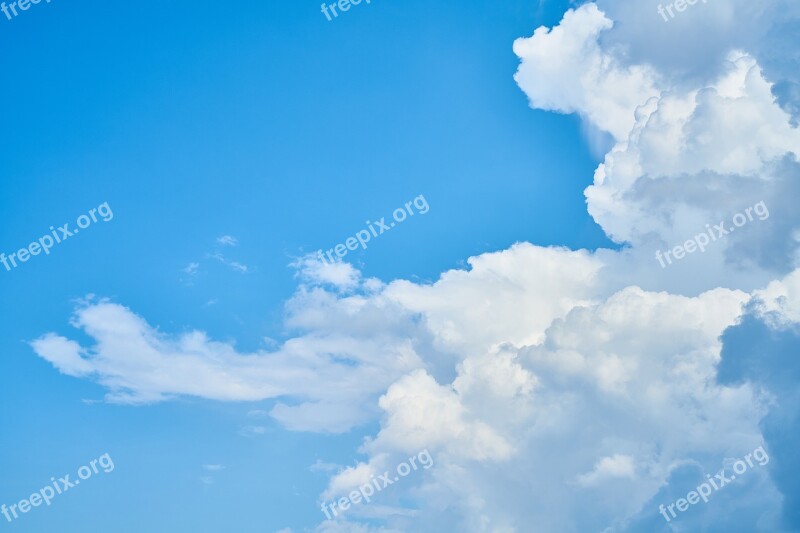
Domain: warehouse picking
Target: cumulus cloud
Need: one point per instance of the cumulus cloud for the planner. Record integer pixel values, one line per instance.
(691, 150)
(358, 341)
(762, 351)
(620, 393)
(698, 157)
(779, 302)
(564, 69)
(605, 390)
(572, 390)
(575, 414)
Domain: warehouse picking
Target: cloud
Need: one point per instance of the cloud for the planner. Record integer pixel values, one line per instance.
(564, 69)
(612, 397)
(358, 343)
(323, 379)
(690, 150)
(341, 275)
(779, 302)
(529, 362)
(227, 240)
(761, 351)
(321, 466)
(692, 47)
(191, 269)
(598, 382)
(615, 466)
(64, 354)
(235, 265)
(692, 159)
(422, 413)
(252, 431)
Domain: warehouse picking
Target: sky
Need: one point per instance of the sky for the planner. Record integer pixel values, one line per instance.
(575, 297)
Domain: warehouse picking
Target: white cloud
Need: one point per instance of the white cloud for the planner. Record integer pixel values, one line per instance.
(564, 69)
(343, 526)
(530, 363)
(694, 158)
(191, 269)
(615, 466)
(318, 272)
(65, 355)
(422, 413)
(692, 46)
(509, 296)
(613, 396)
(779, 302)
(227, 240)
(252, 431)
(334, 373)
(235, 265)
(690, 150)
(321, 466)
(581, 378)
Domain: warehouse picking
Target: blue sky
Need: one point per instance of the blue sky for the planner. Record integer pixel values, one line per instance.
(266, 122)
(269, 124)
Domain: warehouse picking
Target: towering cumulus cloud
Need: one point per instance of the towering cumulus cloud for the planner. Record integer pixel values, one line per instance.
(557, 390)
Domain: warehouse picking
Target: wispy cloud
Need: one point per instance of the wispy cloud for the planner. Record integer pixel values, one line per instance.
(252, 431)
(227, 240)
(321, 466)
(235, 265)
(191, 269)
(209, 480)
